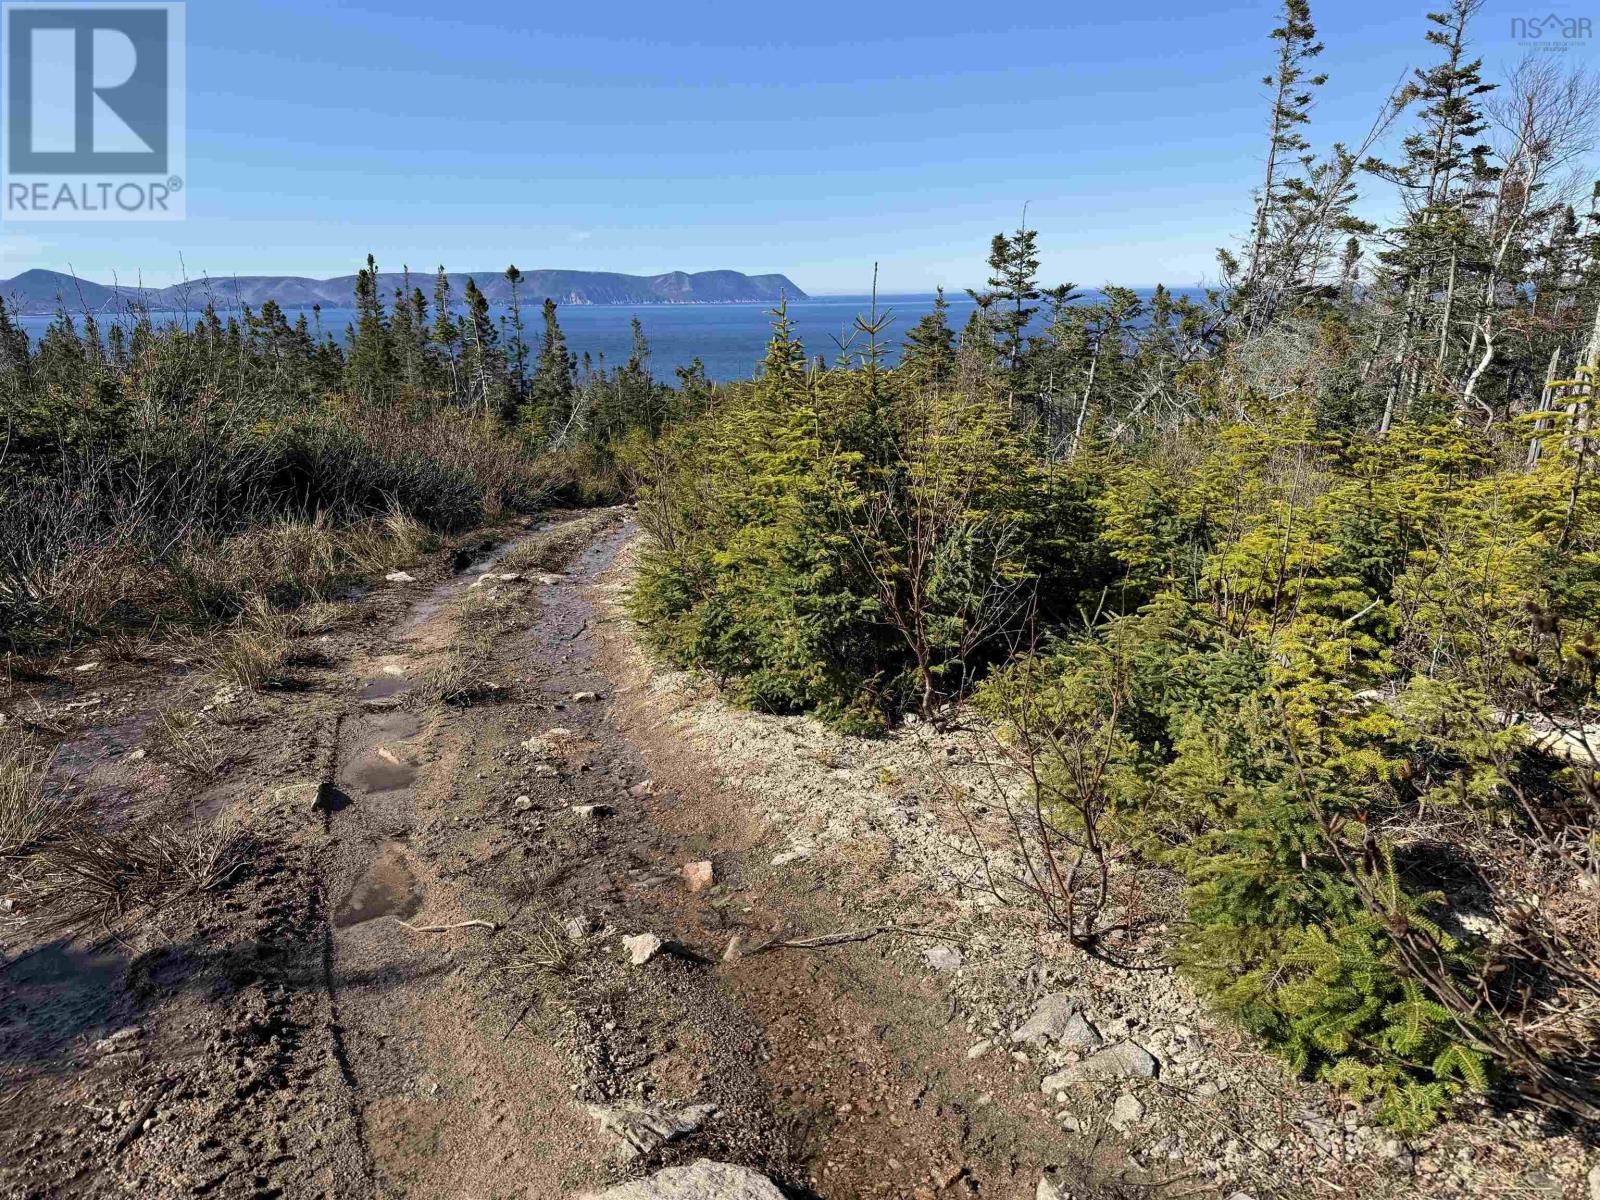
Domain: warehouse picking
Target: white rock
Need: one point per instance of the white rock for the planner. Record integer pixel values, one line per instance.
(585, 697)
(400, 577)
(1594, 1182)
(1126, 1113)
(1049, 1020)
(577, 928)
(791, 856)
(1125, 1060)
(700, 1180)
(641, 1130)
(642, 947)
(979, 1049)
(942, 958)
(1049, 1191)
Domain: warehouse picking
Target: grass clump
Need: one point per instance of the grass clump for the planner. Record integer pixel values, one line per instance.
(85, 878)
(28, 815)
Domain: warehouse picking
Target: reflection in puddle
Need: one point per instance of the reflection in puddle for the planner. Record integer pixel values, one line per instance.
(384, 687)
(388, 889)
(382, 770)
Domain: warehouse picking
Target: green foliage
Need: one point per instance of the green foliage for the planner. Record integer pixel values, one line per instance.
(856, 543)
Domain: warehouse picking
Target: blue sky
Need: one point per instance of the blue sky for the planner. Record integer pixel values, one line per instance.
(811, 139)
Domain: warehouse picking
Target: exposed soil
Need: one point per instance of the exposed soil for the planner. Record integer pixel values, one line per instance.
(416, 984)
(328, 1024)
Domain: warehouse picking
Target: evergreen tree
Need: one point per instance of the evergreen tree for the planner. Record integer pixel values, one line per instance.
(1443, 168)
(1287, 151)
(1008, 304)
(482, 366)
(445, 336)
(370, 364)
(516, 341)
(930, 347)
(551, 412)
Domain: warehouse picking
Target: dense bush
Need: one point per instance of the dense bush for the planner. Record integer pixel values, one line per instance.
(848, 542)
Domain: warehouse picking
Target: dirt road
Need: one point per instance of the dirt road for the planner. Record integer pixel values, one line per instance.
(421, 980)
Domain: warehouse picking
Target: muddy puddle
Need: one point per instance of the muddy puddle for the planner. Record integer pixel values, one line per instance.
(384, 687)
(389, 888)
(387, 764)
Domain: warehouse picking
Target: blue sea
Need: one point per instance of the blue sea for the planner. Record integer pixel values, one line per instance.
(729, 338)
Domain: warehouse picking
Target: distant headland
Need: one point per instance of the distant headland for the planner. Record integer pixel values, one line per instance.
(40, 291)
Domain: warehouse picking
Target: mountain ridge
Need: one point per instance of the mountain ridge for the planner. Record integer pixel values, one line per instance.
(37, 290)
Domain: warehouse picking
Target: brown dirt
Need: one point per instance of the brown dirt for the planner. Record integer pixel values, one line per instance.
(303, 1031)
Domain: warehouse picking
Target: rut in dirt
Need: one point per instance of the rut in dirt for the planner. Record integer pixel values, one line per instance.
(423, 986)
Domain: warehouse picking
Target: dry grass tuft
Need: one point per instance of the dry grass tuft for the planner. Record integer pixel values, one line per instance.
(554, 549)
(254, 656)
(85, 878)
(27, 815)
(546, 949)
(185, 740)
(461, 677)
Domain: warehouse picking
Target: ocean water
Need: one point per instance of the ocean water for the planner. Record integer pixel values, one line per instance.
(729, 338)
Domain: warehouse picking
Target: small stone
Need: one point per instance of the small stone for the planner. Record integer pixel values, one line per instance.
(790, 856)
(400, 577)
(136, 755)
(1126, 1060)
(577, 928)
(641, 1130)
(698, 876)
(643, 790)
(545, 771)
(1126, 1113)
(1047, 1190)
(585, 697)
(88, 666)
(979, 1049)
(1049, 1020)
(1079, 1034)
(642, 947)
(735, 948)
(522, 803)
(1241, 1196)
(942, 958)
(591, 812)
(1594, 1182)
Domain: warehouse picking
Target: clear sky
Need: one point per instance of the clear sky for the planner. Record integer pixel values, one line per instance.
(808, 138)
